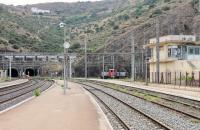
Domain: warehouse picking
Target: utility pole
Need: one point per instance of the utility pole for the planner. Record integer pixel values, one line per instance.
(144, 55)
(103, 67)
(146, 67)
(142, 63)
(10, 68)
(103, 62)
(68, 57)
(65, 59)
(132, 59)
(85, 40)
(158, 49)
(70, 67)
(3, 59)
(113, 60)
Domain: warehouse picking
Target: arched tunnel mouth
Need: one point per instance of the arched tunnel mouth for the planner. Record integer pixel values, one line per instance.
(14, 72)
(31, 72)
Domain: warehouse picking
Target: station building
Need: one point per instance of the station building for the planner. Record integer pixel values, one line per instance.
(178, 53)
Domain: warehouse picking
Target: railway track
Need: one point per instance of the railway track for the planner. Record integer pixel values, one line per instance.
(179, 120)
(119, 121)
(12, 95)
(153, 123)
(15, 86)
(173, 98)
(189, 109)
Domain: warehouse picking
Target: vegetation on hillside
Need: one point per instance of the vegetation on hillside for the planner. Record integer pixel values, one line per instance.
(101, 21)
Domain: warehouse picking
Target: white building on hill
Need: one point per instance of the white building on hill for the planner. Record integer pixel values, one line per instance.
(37, 11)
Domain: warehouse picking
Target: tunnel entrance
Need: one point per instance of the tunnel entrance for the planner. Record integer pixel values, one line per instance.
(31, 72)
(14, 73)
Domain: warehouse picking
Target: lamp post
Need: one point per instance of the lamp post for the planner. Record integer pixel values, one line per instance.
(66, 45)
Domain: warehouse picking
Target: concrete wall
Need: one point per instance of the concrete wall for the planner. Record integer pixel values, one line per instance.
(3, 74)
(163, 54)
(183, 66)
(175, 38)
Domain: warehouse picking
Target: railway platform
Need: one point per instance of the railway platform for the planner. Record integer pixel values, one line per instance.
(53, 110)
(186, 92)
(14, 82)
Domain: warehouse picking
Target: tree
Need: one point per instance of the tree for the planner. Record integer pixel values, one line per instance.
(138, 10)
(75, 46)
(116, 27)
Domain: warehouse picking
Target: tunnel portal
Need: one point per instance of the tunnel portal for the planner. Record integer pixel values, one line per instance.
(31, 72)
(14, 72)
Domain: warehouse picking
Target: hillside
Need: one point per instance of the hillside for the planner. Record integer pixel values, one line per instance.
(108, 23)
(25, 31)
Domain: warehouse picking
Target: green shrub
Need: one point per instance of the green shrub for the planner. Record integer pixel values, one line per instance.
(99, 29)
(15, 46)
(37, 92)
(123, 17)
(111, 23)
(157, 12)
(151, 3)
(116, 27)
(189, 78)
(75, 46)
(166, 1)
(138, 10)
(165, 8)
(4, 79)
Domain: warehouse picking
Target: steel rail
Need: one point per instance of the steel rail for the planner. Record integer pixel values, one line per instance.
(16, 89)
(179, 111)
(22, 94)
(162, 125)
(110, 110)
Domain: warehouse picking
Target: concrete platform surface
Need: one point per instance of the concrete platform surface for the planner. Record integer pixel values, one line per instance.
(10, 83)
(186, 92)
(53, 110)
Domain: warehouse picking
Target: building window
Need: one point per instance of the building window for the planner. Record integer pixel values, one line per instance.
(173, 51)
(191, 51)
(150, 52)
(196, 51)
(169, 52)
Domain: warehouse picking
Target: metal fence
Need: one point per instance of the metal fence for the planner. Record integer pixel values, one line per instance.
(177, 78)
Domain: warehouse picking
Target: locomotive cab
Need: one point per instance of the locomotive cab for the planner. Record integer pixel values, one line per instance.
(112, 73)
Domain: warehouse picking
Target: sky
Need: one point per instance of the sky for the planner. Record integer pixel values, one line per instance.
(24, 2)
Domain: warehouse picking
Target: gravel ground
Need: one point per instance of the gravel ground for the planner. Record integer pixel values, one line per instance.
(181, 107)
(133, 119)
(113, 121)
(171, 118)
(10, 103)
(17, 91)
(163, 99)
(14, 88)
